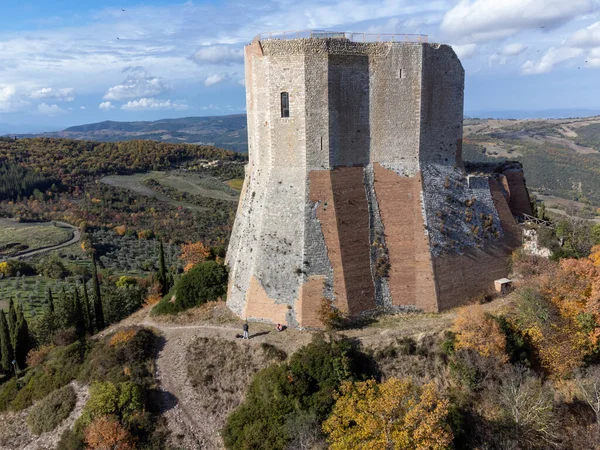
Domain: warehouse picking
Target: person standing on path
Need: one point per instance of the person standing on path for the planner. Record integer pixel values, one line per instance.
(245, 330)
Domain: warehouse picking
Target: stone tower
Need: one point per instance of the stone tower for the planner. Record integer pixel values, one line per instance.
(355, 189)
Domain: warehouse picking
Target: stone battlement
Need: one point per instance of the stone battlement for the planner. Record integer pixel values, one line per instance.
(347, 35)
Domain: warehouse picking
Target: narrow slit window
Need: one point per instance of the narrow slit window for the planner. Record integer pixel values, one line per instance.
(285, 104)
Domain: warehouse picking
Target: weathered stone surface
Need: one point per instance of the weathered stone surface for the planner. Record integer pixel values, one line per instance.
(366, 170)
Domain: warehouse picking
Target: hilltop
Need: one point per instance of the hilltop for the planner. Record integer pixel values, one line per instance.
(220, 131)
(561, 157)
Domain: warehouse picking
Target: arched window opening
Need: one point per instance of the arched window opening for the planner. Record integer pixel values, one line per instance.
(285, 104)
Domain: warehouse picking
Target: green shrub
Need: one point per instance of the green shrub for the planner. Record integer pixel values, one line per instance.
(8, 392)
(61, 367)
(165, 306)
(204, 282)
(120, 400)
(303, 385)
(52, 410)
(71, 439)
(124, 362)
(52, 266)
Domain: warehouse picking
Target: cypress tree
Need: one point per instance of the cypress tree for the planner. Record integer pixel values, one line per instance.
(50, 300)
(12, 321)
(162, 270)
(78, 317)
(6, 349)
(87, 315)
(98, 313)
(22, 343)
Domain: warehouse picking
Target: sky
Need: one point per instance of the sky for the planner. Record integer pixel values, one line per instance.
(68, 62)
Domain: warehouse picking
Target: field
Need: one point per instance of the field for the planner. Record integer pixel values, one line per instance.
(118, 255)
(17, 237)
(560, 157)
(30, 291)
(186, 183)
(236, 183)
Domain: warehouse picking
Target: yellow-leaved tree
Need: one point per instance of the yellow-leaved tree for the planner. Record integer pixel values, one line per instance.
(478, 331)
(193, 253)
(396, 414)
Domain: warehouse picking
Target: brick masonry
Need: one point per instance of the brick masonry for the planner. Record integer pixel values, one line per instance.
(367, 169)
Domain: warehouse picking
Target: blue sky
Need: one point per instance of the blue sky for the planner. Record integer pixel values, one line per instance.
(66, 62)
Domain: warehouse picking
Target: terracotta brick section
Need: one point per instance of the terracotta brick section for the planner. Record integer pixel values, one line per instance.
(461, 277)
(259, 305)
(519, 198)
(309, 302)
(411, 273)
(344, 216)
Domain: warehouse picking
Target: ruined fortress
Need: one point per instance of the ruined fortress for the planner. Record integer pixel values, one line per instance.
(355, 189)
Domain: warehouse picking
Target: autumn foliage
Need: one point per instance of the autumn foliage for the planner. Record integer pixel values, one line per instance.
(396, 414)
(478, 331)
(122, 337)
(193, 253)
(106, 433)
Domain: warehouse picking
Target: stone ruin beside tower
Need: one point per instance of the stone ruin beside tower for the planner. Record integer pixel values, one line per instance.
(355, 190)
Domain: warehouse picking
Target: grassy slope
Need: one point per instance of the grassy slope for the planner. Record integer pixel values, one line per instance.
(16, 237)
(550, 168)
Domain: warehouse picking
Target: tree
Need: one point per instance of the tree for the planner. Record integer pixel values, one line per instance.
(193, 253)
(596, 234)
(22, 339)
(98, 313)
(526, 410)
(12, 321)
(50, 300)
(589, 386)
(78, 316)
(162, 270)
(87, 314)
(6, 348)
(204, 282)
(106, 433)
(396, 414)
(480, 332)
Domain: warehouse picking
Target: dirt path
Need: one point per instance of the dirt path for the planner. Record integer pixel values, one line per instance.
(191, 426)
(76, 238)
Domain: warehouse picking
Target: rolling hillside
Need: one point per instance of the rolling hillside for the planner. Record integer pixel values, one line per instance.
(561, 157)
(227, 132)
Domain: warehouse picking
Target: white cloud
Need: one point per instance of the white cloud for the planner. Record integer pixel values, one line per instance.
(587, 37)
(593, 58)
(218, 54)
(214, 79)
(105, 106)
(507, 52)
(482, 20)
(137, 84)
(50, 110)
(64, 94)
(82, 107)
(465, 51)
(6, 95)
(152, 104)
(552, 57)
(513, 49)
(9, 100)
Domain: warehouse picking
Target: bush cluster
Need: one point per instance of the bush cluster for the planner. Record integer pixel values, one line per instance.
(204, 282)
(52, 410)
(286, 397)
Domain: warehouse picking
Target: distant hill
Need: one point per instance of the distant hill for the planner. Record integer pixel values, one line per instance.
(228, 132)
